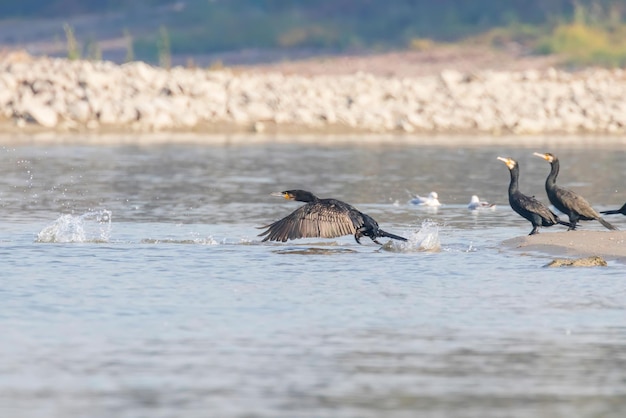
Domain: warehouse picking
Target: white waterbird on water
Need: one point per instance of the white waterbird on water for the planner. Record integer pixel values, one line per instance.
(477, 204)
(432, 199)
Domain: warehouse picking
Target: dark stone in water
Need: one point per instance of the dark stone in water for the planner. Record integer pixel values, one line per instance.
(578, 262)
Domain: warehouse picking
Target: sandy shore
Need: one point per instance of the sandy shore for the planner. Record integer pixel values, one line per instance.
(607, 244)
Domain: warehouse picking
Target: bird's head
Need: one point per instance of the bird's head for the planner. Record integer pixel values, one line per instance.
(286, 194)
(547, 156)
(510, 162)
(299, 195)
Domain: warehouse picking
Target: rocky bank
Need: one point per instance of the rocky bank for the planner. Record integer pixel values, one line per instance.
(63, 95)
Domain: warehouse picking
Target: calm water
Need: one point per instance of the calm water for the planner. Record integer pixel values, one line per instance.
(133, 285)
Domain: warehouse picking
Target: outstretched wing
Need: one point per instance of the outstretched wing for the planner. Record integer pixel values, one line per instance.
(310, 221)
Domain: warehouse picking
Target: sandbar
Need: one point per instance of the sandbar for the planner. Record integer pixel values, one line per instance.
(607, 244)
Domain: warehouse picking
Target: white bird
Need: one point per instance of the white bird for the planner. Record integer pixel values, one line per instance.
(476, 204)
(431, 200)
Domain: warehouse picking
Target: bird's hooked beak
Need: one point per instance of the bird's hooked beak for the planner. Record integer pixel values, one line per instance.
(285, 195)
(548, 157)
(508, 161)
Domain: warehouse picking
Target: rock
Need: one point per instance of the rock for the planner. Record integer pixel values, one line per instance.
(40, 113)
(46, 91)
(187, 120)
(258, 111)
(127, 112)
(161, 120)
(594, 261)
(41, 85)
(405, 126)
(451, 77)
(79, 111)
(108, 114)
(5, 97)
(258, 127)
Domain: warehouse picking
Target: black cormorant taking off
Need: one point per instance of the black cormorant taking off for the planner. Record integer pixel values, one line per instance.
(568, 202)
(322, 218)
(621, 210)
(528, 207)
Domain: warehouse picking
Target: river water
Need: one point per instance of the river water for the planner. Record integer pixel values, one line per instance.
(133, 285)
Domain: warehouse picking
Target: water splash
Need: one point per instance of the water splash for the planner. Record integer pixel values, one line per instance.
(424, 239)
(92, 226)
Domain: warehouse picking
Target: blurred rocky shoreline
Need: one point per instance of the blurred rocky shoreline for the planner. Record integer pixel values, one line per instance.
(60, 95)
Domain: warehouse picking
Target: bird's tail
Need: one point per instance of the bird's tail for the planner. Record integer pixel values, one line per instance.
(610, 212)
(606, 224)
(570, 225)
(384, 234)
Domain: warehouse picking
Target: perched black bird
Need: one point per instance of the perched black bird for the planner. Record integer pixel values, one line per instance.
(621, 210)
(568, 202)
(324, 218)
(528, 207)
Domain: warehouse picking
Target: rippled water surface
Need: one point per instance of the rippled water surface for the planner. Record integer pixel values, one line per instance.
(133, 285)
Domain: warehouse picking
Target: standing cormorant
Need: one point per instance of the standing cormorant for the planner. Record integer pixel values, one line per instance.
(323, 218)
(568, 202)
(528, 207)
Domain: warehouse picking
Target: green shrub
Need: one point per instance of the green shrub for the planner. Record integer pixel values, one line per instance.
(164, 48)
(73, 52)
(582, 44)
(130, 51)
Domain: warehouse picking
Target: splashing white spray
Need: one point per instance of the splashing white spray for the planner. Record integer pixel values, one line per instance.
(427, 238)
(424, 239)
(92, 226)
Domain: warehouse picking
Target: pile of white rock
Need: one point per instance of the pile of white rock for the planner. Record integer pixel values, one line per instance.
(69, 95)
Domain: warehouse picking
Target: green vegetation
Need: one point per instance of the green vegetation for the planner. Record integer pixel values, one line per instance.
(130, 51)
(591, 36)
(92, 50)
(164, 49)
(582, 31)
(594, 36)
(582, 44)
(73, 53)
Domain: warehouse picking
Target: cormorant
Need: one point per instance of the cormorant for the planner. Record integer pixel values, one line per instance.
(476, 204)
(568, 202)
(325, 218)
(528, 207)
(621, 210)
(431, 200)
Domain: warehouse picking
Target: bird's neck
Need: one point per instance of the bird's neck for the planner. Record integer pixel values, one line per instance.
(554, 171)
(514, 184)
(307, 198)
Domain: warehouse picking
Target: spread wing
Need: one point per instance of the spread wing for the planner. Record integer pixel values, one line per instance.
(311, 221)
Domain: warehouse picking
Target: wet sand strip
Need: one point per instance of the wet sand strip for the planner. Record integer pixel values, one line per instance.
(607, 244)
